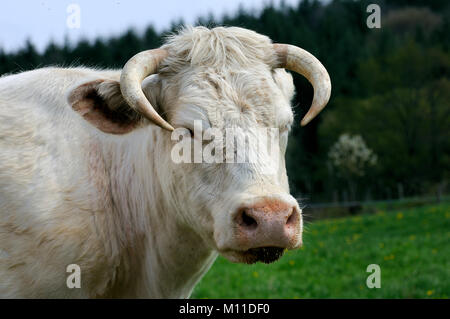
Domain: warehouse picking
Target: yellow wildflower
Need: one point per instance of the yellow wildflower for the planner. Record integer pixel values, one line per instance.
(389, 257)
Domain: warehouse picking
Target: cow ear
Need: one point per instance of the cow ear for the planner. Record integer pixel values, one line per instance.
(100, 102)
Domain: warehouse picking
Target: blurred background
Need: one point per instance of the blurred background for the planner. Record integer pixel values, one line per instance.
(378, 156)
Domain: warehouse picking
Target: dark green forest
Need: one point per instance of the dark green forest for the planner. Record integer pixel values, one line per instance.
(385, 131)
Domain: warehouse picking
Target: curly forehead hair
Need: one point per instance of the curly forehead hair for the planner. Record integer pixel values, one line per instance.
(217, 47)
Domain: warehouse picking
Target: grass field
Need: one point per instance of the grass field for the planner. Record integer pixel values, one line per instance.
(411, 246)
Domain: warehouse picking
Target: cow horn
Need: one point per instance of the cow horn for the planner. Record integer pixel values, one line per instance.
(134, 72)
(302, 62)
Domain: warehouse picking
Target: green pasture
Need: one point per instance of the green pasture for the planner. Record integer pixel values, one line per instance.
(411, 246)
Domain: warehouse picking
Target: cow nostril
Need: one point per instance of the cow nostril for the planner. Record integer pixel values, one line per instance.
(292, 219)
(248, 221)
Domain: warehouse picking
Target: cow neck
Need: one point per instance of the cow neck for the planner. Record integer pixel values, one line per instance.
(167, 258)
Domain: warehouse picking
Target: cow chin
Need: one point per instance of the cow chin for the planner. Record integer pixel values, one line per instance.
(266, 255)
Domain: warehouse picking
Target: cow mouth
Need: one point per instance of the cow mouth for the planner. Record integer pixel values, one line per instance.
(266, 255)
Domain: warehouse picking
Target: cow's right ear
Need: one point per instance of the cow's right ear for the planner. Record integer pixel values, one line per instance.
(100, 102)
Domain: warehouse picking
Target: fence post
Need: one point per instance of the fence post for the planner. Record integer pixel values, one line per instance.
(400, 190)
(335, 196)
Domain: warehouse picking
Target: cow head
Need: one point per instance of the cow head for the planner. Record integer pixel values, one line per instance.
(201, 87)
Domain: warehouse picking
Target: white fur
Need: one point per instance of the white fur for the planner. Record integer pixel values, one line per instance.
(137, 224)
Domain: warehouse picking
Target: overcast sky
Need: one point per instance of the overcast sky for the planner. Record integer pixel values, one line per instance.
(45, 20)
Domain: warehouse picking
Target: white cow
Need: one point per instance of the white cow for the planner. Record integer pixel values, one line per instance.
(87, 178)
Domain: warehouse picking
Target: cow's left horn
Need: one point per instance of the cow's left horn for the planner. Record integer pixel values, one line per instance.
(134, 72)
(300, 61)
